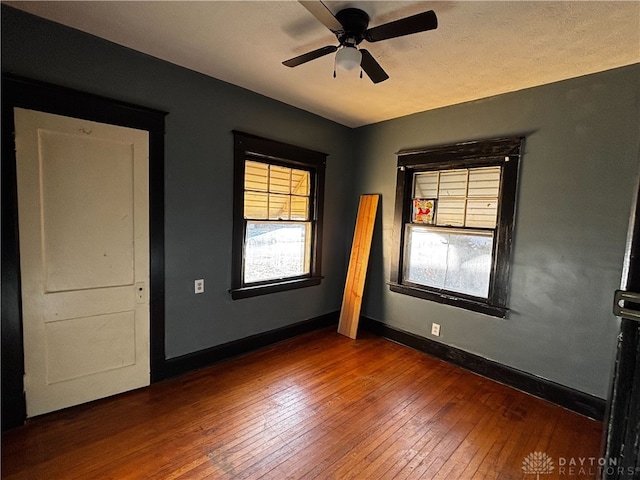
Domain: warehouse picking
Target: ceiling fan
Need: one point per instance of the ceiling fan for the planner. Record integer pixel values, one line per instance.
(350, 28)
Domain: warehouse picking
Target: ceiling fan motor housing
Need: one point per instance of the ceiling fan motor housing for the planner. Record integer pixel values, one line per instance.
(355, 23)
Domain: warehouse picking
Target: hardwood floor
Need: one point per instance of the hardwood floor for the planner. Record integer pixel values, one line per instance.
(316, 406)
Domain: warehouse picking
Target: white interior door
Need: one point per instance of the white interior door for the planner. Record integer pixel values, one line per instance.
(83, 209)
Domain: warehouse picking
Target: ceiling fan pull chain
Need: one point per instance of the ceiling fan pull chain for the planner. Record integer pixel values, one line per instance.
(360, 73)
(334, 67)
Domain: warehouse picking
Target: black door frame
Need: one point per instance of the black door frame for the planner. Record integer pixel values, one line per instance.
(35, 95)
(622, 428)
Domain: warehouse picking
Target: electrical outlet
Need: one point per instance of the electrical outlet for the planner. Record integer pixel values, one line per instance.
(199, 286)
(435, 329)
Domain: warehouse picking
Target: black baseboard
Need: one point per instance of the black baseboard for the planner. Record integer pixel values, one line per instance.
(579, 402)
(192, 361)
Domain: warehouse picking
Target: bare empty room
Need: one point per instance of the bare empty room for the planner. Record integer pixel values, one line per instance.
(282, 239)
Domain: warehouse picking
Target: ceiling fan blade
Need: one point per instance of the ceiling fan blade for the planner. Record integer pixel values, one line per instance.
(323, 14)
(372, 68)
(307, 57)
(405, 26)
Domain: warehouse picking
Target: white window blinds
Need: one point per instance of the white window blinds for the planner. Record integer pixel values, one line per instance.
(464, 197)
(272, 192)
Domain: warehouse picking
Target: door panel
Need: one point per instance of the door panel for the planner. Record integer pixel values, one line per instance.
(83, 346)
(83, 203)
(87, 211)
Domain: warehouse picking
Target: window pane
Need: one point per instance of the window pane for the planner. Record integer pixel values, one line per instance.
(469, 264)
(453, 183)
(299, 208)
(279, 207)
(300, 184)
(464, 197)
(423, 211)
(255, 176)
(255, 205)
(455, 261)
(426, 257)
(279, 179)
(482, 213)
(484, 182)
(426, 185)
(276, 251)
(450, 211)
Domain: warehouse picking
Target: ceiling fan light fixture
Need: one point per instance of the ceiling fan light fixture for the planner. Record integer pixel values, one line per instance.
(348, 58)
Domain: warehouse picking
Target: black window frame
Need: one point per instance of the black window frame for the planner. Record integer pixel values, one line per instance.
(254, 148)
(503, 152)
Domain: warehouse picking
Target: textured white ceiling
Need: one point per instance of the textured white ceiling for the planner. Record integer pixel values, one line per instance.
(480, 48)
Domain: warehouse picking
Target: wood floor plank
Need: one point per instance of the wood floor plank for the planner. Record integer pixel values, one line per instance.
(364, 446)
(334, 435)
(403, 449)
(370, 451)
(317, 406)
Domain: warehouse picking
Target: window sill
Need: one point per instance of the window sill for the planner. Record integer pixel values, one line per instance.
(282, 286)
(449, 299)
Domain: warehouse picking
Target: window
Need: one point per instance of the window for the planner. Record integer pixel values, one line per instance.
(455, 211)
(277, 227)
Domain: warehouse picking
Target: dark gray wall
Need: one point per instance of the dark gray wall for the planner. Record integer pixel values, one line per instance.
(198, 174)
(577, 180)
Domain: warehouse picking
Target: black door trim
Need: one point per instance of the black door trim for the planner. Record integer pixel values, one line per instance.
(622, 430)
(35, 95)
